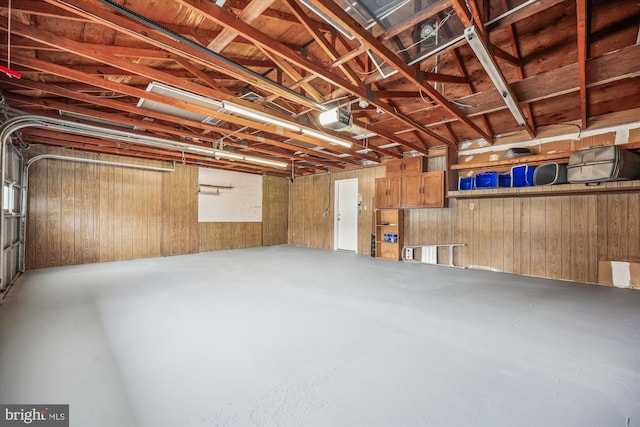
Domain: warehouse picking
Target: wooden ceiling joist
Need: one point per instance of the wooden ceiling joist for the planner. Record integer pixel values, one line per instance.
(155, 75)
(162, 41)
(222, 17)
(606, 69)
(564, 61)
(194, 138)
(411, 73)
(583, 50)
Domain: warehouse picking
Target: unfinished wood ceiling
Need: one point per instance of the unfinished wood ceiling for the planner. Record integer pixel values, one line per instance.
(412, 74)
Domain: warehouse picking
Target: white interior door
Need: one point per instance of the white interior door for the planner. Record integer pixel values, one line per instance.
(346, 215)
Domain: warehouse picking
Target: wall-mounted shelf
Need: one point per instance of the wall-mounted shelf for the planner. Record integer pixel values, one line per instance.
(534, 160)
(548, 190)
(213, 193)
(226, 187)
(389, 222)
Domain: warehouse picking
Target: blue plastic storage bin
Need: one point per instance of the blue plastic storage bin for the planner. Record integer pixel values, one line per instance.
(465, 183)
(504, 180)
(522, 176)
(486, 179)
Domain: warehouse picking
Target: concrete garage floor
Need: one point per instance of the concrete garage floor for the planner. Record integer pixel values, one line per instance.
(295, 337)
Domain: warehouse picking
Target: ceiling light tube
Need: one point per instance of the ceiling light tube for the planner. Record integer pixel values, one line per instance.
(252, 114)
(328, 138)
(228, 155)
(488, 63)
(266, 162)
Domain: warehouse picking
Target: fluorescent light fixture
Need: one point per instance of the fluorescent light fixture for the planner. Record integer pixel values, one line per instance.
(328, 20)
(337, 119)
(227, 155)
(218, 154)
(266, 118)
(261, 117)
(328, 138)
(488, 63)
(338, 155)
(389, 145)
(180, 95)
(266, 162)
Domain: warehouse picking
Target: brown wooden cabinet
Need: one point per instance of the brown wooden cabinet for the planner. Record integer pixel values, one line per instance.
(390, 223)
(410, 165)
(433, 184)
(409, 185)
(388, 192)
(425, 190)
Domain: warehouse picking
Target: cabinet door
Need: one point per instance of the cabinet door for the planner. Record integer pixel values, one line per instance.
(395, 167)
(412, 191)
(395, 189)
(416, 164)
(381, 197)
(433, 184)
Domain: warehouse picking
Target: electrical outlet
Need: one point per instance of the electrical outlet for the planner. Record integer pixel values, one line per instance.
(471, 206)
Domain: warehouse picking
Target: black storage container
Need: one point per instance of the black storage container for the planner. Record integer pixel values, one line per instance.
(549, 174)
(601, 164)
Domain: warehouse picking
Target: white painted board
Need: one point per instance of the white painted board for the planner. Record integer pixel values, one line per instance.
(242, 203)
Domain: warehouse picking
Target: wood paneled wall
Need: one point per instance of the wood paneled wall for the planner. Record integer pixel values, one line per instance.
(560, 237)
(83, 213)
(311, 208)
(215, 236)
(275, 210)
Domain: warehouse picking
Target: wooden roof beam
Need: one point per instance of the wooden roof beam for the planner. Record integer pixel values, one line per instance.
(155, 75)
(515, 48)
(119, 118)
(142, 112)
(248, 14)
(524, 13)
(138, 93)
(583, 51)
(327, 47)
(605, 69)
(202, 76)
(472, 89)
(105, 16)
(222, 17)
(411, 73)
(415, 19)
(52, 10)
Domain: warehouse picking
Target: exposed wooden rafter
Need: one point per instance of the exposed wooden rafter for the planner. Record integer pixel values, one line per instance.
(583, 50)
(564, 61)
(222, 17)
(412, 74)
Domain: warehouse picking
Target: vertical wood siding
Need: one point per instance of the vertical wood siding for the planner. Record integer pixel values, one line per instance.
(560, 237)
(275, 210)
(312, 196)
(215, 236)
(82, 213)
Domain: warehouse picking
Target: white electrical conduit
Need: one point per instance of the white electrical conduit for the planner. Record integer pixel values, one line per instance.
(100, 132)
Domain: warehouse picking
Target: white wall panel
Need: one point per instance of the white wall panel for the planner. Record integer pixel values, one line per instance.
(241, 203)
